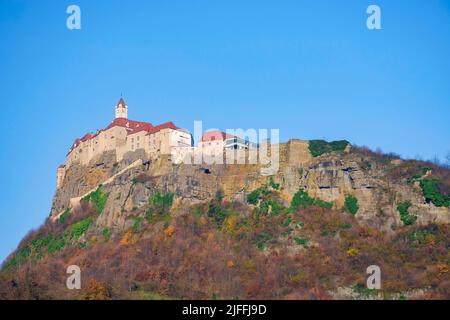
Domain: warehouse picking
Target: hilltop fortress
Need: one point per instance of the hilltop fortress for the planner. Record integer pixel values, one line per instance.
(123, 135)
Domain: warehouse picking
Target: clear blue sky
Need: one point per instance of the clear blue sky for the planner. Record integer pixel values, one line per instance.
(309, 68)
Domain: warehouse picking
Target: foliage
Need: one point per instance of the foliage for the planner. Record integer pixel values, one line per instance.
(351, 204)
(148, 214)
(301, 199)
(261, 239)
(64, 216)
(430, 189)
(106, 233)
(319, 147)
(301, 241)
(254, 196)
(98, 198)
(137, 224)
(79, 228)
(161, 202)
(274, 185)
(406, 218)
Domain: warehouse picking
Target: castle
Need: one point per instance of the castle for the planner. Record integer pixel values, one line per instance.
(124, 135)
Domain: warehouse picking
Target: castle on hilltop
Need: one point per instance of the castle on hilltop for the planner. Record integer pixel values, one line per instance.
(124, 135)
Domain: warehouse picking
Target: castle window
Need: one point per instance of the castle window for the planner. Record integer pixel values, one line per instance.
(137, 138)
(137, 145)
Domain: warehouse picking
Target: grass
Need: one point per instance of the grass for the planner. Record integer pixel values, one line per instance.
(430, 189)
(406, 218)
(98, 198)
(320, 147)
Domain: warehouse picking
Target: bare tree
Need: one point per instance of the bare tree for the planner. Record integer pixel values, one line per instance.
(447, 160)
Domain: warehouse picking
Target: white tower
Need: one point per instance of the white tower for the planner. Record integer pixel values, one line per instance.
(122, 109)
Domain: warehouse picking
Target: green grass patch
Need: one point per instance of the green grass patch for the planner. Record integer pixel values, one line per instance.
(320, 147)
(351, 204)
(98, 198)
(430, 189)
(406, 218)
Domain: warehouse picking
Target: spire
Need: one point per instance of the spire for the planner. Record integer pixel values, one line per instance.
(121, 109)
(121, 103)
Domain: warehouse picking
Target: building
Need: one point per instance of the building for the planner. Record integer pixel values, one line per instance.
(216, 141)
(123, 135)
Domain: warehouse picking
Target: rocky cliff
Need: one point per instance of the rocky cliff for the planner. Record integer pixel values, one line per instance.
(351, 201)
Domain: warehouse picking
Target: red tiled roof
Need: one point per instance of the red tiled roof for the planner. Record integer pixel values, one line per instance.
(216, 135)
(131, 127)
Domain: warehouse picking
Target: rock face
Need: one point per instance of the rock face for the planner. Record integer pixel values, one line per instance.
(330, 178)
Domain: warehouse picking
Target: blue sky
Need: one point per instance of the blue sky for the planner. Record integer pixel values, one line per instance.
(310, 68)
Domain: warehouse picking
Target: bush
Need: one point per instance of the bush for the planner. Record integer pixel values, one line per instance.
(301, 199)
(79, 228)
(161, 203)
(301, 241)
(254, 196)
(430, 189)
(64, 216)
(274, 185)
(98, 198)
(137, 224)
(323, 204)
(261, 239)
(319, 147)
(148, 214)
(406, 218)
(55, 245)
(106, 233)
(351, 204)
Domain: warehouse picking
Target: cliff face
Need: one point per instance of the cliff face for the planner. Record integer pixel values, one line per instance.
(331, 178)
(148, 228)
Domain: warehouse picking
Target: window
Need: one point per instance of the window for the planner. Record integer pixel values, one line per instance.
(137, 145)
(132, 139)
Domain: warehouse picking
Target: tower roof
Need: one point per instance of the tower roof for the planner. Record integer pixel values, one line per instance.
(121, 103)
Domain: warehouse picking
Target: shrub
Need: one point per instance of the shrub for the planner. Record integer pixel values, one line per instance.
(319, 147)
(161, 203)
(148, 214)
(430, 189)
(406, 218)
(79, 228)
(64, 216)
(301, 241)
(106, 233)
(55, 245)
(351, 204)
(254, 196)
(137, 224)
(301, 199)
(98, 198)
(323, 204)
(261, 239)
(274, 185)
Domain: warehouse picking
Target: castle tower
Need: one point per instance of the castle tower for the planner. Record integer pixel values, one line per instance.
(122, 109)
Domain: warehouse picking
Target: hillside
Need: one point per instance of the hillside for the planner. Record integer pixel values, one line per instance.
(151, 229)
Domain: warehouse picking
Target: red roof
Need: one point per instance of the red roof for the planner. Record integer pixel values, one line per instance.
(61, 166)
(122, 103)
(131, 127)
(216, 135)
